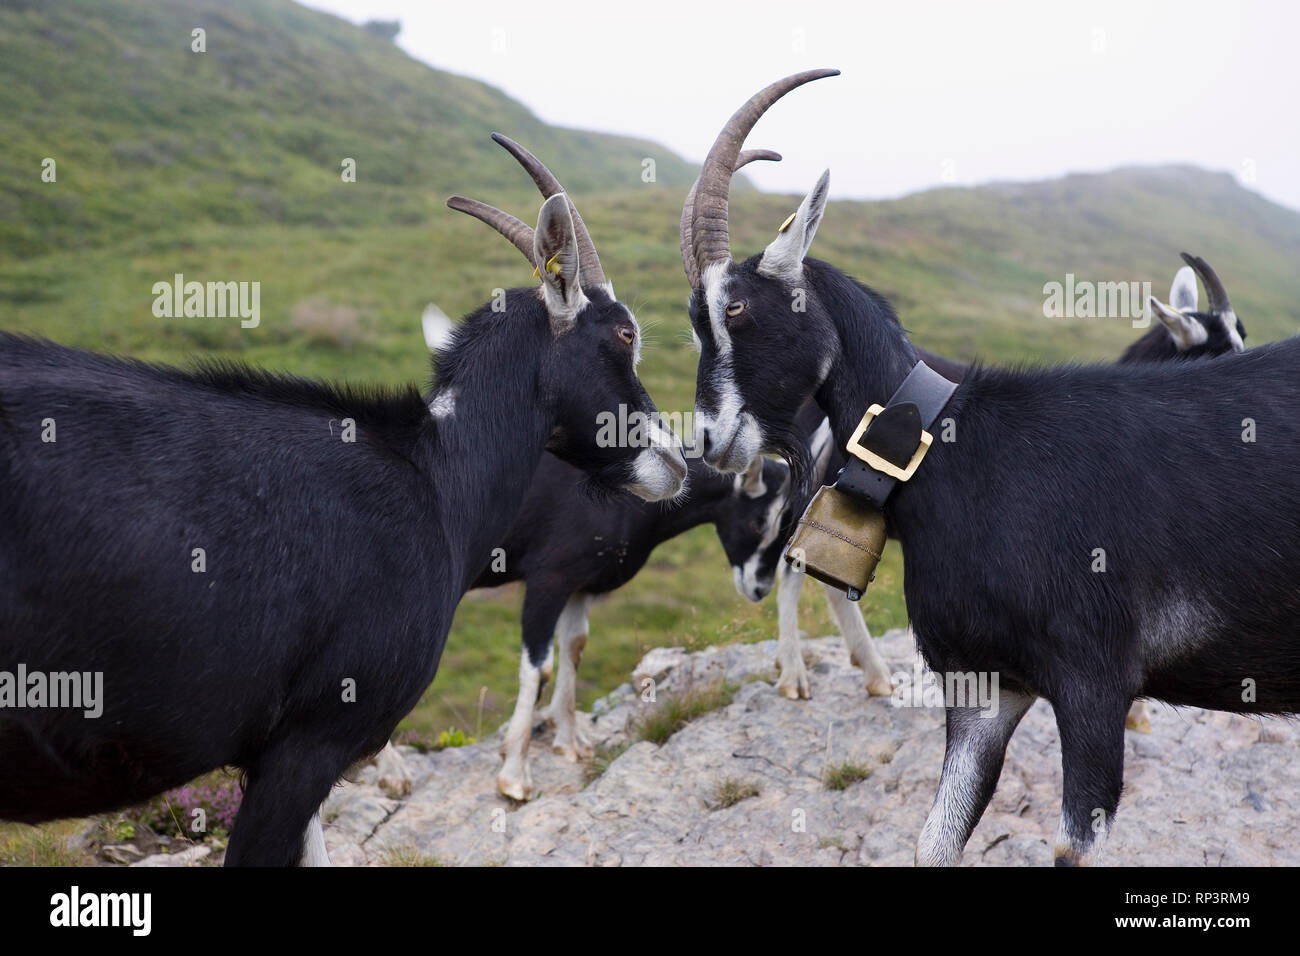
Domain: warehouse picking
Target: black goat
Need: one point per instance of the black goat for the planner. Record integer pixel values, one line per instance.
(568, 549)
(1076, 537)
(1183, 333)
(263, 569)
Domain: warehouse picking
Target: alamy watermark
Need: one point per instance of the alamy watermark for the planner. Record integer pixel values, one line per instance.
(77, 690)
(208, 300)
(924, 688)
(1084, 299)
(638, 429)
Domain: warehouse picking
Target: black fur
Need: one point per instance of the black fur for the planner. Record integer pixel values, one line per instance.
(1200, 529)
(326, 561)
(564, 544)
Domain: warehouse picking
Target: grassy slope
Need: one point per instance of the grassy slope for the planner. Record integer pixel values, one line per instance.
(147, 133)
(171, 164)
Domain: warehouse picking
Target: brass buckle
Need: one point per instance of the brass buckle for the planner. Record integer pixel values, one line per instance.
(855, 449)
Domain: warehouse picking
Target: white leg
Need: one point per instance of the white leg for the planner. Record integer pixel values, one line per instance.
(514, 780)
(543, 713)
(313, 845)
(392, 774)
(789, 658)
(572, 635)
(1139, 718)
(972, 764)
(862, 649)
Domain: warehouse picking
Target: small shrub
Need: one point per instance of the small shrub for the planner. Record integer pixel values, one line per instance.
(403, 857)
(602, 756)
(453, 738)
(673, 712)
(844, 775)
(729, 791)
(173, 811)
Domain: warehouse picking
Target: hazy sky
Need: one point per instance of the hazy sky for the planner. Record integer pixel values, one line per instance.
(930, 93)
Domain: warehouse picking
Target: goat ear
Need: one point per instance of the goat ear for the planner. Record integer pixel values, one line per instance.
(783, 258)
(1184, 330)
(751, 482)
(555, 251)
(438, 328)
(1183, 294)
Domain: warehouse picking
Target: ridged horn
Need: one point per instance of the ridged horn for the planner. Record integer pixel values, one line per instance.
(746, 157)
(589, 270)
(519, 233)
(710, 238)
(1218, 295)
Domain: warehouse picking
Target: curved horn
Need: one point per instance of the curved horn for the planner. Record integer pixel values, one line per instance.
(519, 233)
(589, 270)
(746, 157)
(1218, 295)
(710, 240)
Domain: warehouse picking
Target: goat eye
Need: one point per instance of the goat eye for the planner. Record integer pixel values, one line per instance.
(627, 335)
(734, 309)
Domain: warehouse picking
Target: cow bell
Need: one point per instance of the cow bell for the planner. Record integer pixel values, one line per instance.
(838, 541)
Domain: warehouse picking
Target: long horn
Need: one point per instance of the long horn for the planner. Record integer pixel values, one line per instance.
(746, 157)
(1218, 295)
(589, 271)
(710, 240)
(520, 233)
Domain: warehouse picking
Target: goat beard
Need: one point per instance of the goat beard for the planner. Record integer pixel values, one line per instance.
(793, 447)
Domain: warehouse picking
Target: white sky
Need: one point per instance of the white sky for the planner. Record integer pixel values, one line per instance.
(930, 93)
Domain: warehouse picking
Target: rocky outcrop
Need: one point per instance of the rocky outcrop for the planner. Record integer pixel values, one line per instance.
(747, 784)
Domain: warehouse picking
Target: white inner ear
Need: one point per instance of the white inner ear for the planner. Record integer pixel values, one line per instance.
(783, 258)
(1183, 294)
(1185, 331)
(563, 292)
(438, 328)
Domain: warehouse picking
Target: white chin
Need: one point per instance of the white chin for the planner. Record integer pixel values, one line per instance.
(657, 474)
(745, 445)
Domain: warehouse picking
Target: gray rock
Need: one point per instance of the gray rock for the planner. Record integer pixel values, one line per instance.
(191, 857)
(1203, 788)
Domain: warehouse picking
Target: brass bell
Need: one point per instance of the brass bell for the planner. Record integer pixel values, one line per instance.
(838, 541)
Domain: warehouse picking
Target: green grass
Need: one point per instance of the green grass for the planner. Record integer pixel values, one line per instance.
(47, 845)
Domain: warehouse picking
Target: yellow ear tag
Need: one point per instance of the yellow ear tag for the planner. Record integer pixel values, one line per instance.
(786, 225)
(553, 265)
(536, 274)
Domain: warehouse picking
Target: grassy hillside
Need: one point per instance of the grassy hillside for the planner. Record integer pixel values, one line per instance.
(225, 166)
(148, 134)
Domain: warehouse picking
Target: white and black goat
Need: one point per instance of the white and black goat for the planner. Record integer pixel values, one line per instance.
(1183, 333)
(1092, 535)
(567, 549)
(260, 569)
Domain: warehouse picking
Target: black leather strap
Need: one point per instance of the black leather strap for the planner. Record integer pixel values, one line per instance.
(914, 406)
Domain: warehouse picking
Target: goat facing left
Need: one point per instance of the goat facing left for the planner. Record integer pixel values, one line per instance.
(263, 569)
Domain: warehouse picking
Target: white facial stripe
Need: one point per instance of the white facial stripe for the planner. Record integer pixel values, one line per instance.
(747, 581)
(695, 341)
(715, 298)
